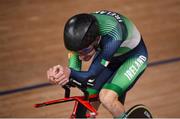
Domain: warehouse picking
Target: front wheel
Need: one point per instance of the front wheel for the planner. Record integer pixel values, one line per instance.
(139, 111)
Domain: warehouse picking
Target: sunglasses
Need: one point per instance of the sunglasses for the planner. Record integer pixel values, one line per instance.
(86, 50)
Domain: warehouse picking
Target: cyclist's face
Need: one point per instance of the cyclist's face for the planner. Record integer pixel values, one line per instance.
(86, 53)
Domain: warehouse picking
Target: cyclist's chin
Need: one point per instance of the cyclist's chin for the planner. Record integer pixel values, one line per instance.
(86, 58)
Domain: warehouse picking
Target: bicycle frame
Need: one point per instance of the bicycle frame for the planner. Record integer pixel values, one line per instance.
(83, 103)
(80, 101)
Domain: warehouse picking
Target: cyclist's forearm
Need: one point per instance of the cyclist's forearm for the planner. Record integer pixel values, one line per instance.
(83, 76)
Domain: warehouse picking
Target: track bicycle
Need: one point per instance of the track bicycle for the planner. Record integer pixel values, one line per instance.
(83, 103)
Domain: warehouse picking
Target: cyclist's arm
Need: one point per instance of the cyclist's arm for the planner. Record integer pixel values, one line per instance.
(73, 61)
(109, 47)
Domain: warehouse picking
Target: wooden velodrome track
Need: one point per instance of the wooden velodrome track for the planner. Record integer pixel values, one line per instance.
(31, 41)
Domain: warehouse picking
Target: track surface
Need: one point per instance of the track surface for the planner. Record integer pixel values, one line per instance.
(31, 35)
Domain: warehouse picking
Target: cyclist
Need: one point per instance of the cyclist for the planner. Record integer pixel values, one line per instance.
(118, 51)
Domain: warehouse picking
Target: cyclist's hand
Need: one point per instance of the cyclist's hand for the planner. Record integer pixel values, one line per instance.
(51, 74)
(58, 75)
(62, 78)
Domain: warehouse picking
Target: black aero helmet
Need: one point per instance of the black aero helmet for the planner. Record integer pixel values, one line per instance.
(80, 31)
